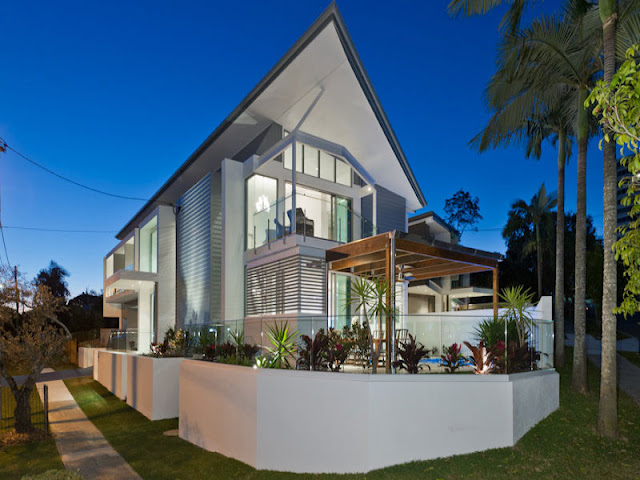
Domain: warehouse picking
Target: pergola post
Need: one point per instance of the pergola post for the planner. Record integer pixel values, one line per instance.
(389, 318)
(495, 292)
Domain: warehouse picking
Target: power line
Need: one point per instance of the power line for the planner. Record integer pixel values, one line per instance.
(59, 230)
(6, 253)
(78, 184)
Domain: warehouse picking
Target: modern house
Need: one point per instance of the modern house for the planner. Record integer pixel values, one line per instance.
(301, 187)
(301, 190)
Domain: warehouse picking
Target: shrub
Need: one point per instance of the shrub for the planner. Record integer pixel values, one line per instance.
(313, 354)
(484, 360)
(491, 331)
(411, 353)
(339, 348)
(452, 358)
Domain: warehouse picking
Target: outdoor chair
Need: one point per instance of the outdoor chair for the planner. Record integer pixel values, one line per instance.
(304, 225)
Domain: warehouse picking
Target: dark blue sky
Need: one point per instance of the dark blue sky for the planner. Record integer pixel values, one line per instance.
(118, 94)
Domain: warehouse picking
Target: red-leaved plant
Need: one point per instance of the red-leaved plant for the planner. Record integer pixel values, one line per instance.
(484, 360)
(452, 358)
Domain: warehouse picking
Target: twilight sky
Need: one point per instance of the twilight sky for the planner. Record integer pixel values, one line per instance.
(118, 94)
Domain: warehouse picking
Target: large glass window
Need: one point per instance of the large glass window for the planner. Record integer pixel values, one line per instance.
(318, 163)
(343, 172)
(262, 195)
(319, 214)
(149, 246)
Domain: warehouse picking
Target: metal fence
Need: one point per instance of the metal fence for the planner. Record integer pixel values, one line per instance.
(38, 401)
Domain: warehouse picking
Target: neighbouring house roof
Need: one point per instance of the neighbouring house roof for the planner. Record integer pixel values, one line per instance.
(435, 217)
(323, 60)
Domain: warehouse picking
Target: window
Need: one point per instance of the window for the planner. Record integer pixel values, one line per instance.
(327, 166)
(343, 172)
(311, 161)
(318, 163)
(149, 246)
(319, 214)
(262, 195)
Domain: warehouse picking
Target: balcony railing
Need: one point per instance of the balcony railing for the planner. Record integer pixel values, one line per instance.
(333, 220)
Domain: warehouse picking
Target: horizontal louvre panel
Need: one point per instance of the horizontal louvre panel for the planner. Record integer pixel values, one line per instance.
(294, 285)
(193, 228)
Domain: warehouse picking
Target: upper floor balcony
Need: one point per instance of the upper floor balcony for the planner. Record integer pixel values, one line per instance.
(132, 262)
(307, 187)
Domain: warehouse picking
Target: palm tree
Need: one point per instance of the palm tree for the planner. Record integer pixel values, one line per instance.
(512, 16)
(565, 52)
(536, 212)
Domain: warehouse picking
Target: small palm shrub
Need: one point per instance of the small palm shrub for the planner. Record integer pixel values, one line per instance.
(491, 331)
(283, 346)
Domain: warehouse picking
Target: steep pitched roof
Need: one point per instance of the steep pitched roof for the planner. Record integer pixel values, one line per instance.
(322, 60)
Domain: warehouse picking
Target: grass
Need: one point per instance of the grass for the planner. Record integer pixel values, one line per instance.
(9, 404)
(633, 357)
(563, 446)
(31, 458)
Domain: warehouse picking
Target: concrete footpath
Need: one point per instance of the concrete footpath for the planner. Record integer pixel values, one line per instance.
(49, 374)
(81, 445)
(628, 376)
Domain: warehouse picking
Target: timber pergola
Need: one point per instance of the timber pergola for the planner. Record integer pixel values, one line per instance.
(382, 254)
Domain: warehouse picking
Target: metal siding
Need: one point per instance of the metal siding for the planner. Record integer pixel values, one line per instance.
(193, 232)
(216, 246)
(391, 211)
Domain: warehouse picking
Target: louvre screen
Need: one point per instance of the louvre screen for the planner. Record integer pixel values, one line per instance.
(294, 285)
(193, 228)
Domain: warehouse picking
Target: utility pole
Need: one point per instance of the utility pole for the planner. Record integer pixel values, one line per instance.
(15, 277)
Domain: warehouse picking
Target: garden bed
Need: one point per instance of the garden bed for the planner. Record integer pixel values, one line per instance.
(315, 422)
(152, 385)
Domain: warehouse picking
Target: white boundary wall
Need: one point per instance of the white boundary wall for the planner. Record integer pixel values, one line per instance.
(86, 356)
(315, 422)
(152, 385)
(110, 369)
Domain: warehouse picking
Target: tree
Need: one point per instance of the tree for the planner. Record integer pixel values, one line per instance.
(617, 100)
(512, 16)
(28, 342)
(536, 212)
(54, 277)
(463, 211)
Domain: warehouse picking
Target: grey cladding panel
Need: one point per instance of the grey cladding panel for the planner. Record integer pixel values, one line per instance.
(391, 211)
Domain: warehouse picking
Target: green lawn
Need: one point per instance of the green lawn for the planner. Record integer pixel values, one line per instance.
(565, 445)
(31, 458)
(632, 357)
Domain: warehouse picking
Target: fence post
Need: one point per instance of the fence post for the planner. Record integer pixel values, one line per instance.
(46, 408)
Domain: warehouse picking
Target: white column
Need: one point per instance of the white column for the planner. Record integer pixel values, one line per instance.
(145, 311)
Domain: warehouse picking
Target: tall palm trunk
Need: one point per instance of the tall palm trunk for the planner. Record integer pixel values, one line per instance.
(608, 413)
(579, 377)
(559, 300)
(539, 259)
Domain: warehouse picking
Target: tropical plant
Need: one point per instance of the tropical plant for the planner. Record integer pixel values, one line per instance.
(491, 331)
(361, 340)
(339, 347)
(283, 345)
(511, 19)
(410, 354)
(452, 358)
(313, 353)
(202, 338)
(516, 303)
(370, 297)
(537, 211)
(484, 360)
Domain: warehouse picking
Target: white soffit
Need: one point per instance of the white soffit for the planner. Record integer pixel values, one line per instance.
(343, 114)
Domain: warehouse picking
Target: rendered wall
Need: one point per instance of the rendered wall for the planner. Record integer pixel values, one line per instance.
(152, 386)
(86, 356)
(233, 194)
(166, 289)
(315, 422)
(110, 369)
